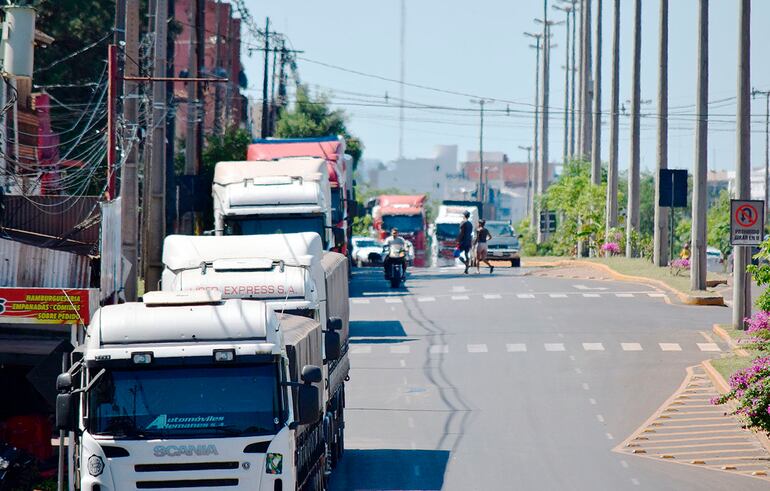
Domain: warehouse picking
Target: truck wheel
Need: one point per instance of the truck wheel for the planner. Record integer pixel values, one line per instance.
(516, 263)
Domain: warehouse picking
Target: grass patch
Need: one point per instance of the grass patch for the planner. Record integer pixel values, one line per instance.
(730, 364)
(735, 334)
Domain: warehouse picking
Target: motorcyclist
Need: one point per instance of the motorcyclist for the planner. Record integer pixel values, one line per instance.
(392, 239)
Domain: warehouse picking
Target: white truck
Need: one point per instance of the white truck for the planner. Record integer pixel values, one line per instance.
(293, 274)
(284, 195)
(446, 228)
(186, 390)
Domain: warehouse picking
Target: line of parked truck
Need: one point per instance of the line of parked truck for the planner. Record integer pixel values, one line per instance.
(232, 375)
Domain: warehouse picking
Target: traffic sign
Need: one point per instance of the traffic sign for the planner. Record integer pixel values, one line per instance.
(747, 222)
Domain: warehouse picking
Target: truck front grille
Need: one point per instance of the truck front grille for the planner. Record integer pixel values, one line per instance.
(192, 466)
(187, 483)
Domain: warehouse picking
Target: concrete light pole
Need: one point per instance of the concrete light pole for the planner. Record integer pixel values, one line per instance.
(596, 145)
(632, 214)
(612, 171)
(529, 177)
(534, 165)
(699, 204)
(660, 232)
(587, 125)
(567, 9)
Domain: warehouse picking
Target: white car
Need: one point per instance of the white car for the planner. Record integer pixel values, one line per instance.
(714, 260)
(366, 251)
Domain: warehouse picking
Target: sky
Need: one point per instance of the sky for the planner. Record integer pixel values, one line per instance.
(470, 50)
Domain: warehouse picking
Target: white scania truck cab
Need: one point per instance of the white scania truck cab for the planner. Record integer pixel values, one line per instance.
(185, 390)
(264, 197)
(292, 274)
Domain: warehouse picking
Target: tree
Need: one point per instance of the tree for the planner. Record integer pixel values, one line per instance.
(718, 223)
(312, 117)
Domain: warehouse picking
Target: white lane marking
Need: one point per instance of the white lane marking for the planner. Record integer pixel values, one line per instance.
(670, 346)
(593, 346)
(516, 347)
(359, 300)
(631, 346)
(600, 418)
(584, 287)
(624, 295)
(591, 295)
(525, 295)
(459, 289)
(572, 357)
(585, 386)
(400, 349)
(656, 295)
(492, 296)
(709, 347)
(477, 348)
(592, 401)
(624, 464)
(360, 350)
(609, 436)
(634, 481)
(426, 299)
(557, 295)
(410, 422)
(402, 363)
(554, 346)
(460, 297)
(393, 300)
(439, 348)
(578, 371)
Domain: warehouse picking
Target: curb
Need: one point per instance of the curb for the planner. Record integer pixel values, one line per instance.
(721, 384)
(716, 329)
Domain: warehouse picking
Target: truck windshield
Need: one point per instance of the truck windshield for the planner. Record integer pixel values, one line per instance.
(186, 402)
(404, 223)
(447, 231)
(275, 224)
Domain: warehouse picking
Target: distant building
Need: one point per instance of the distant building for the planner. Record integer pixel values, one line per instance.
(420, 175)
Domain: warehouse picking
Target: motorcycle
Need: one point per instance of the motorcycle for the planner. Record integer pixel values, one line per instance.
(395, 264)
(18, 469)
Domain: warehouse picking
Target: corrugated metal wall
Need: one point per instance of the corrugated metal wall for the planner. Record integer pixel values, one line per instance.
(111, 249)
(26, 265)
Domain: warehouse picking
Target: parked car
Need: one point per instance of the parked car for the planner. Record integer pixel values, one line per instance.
(714, 260)
(504, 245)
(367, 251)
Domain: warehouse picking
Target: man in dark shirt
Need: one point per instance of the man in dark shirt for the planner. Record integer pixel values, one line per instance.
(465, 240)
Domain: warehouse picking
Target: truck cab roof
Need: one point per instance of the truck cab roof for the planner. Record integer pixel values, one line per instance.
(309, 168)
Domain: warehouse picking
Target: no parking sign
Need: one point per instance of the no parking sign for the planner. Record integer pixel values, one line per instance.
(747, 222)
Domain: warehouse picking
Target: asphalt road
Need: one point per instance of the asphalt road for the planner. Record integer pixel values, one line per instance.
(515, 382)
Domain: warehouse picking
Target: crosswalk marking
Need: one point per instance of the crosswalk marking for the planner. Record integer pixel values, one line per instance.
(631, 346)
(460, 297)
(516, 347)
(400, 349)
(656, 295)
(492, 296)
(624, 295)
(709, 347)
(439, 349)
(593, 346)
(591, 295)
(360, 350)
(359, 300)
(557, 295)
(458, 289)
(554, 346)
(670, 346)
(393, 300)
(525, 295)
(477, 348)
(426, 299)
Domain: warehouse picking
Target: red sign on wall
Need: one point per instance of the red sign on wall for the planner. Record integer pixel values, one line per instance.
(44, 306)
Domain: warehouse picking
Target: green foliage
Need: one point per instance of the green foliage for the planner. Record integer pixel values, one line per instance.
(647, 204)
(761, 274)
(718, 223)
(312, 117)
(362, 225)
(230, 146)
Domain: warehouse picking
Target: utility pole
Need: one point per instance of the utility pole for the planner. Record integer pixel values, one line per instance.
(612, 171)
(632, 213)
(741, 254)
(699, 204)
(529, 177)
(573, 69)
(129, 178)
(766, 93)
(596, 147)
(481, 103)
(581, 81)
(194, 110)
(402, 47)
(660, 232)
(155, 179)
(587, 64)
(265, 121)
(533, 168)
(567, 9)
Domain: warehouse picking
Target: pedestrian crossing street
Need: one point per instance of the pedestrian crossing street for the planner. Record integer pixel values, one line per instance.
(401, 348)
(400, 299)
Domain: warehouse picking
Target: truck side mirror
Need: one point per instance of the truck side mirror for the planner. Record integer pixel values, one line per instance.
(339, 237)
(353, 210)
(309, 404)
(332, 346)
(311, 374)
(64, 382)
(334, 324)
(65, 412)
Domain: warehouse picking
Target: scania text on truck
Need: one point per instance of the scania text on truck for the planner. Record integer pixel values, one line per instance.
(339, 166)
(293, 275)
(274, 196)
(185, 390)
(407, 214)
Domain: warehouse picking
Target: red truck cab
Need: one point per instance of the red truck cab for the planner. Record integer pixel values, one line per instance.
(407, 214)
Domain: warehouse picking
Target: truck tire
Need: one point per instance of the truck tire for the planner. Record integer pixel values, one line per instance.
(516, 262)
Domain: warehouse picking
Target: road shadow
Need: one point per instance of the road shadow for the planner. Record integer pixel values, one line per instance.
(390, 470)
(377, 329)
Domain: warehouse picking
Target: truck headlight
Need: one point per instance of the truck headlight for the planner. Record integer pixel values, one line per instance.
(224, 355)
(274, 463)
(143, 358)
(95, 465)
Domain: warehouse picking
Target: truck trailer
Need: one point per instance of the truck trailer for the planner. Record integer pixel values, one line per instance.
(186, 390)
(293, 275)
(407, 214)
